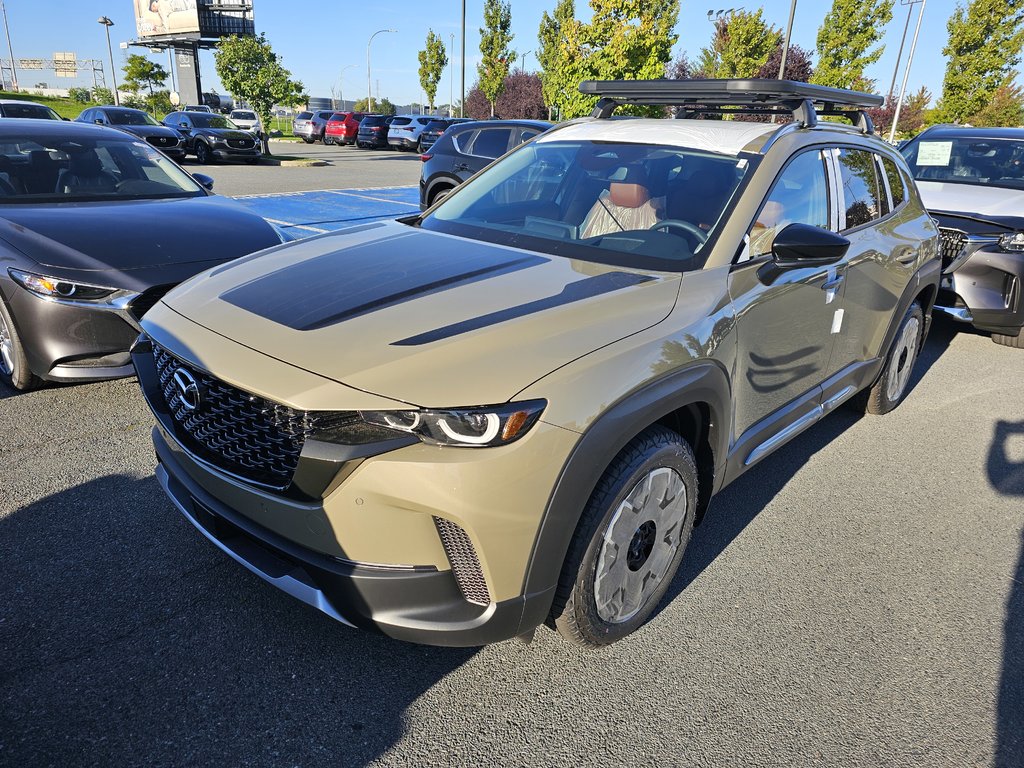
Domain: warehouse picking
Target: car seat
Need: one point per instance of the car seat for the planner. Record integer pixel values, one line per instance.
(85, 173)
(627, 205)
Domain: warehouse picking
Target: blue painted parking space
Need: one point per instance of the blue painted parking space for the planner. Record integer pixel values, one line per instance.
(309, 213)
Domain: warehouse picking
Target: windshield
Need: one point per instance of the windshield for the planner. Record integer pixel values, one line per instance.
(65, 169)
(634, 205)
(243, 115)
(35, 111)
(200, 120)
(131, 118)
(968, 159)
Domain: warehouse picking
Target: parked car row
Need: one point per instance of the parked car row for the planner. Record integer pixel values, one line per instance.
(407, 132)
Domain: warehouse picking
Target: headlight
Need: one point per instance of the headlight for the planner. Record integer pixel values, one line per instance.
(55, 288)
(464, 427)
(1014, 241)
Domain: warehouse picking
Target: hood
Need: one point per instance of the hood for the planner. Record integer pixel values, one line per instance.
(423, 317)
(223, 133)
(134, 234)
(146, 131)
(975, 200)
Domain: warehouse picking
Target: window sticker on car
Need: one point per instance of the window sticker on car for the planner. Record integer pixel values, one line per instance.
(934, 152)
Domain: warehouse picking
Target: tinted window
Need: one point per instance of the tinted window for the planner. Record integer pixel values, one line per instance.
(401, 121)
(896, 186)
(236, 115)
(130, 117)
(202, 120)
(860, 186)
(800, 196)
(423, 120)
(303, 115)
(337, 119)
(36, 111)
(525, 135)
(491, 142)
(324, 115)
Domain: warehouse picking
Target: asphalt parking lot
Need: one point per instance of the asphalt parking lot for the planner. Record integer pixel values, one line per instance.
(855, 600)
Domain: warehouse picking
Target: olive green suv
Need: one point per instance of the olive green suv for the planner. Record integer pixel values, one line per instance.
(512, 409)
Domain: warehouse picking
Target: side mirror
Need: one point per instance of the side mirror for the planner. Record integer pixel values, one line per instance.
(206, 182)
(803, 245)
(98, 121)
(183, 124)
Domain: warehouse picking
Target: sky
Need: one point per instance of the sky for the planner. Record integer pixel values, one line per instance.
(324, 44)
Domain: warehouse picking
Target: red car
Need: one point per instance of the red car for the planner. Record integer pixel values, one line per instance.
(342, 128)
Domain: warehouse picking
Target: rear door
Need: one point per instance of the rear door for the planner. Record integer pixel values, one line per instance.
(486, 145)
(785, 318)
(885, 237)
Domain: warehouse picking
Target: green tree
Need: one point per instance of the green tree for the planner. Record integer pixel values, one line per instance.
(433, 60)
(380, 106)
(79, 95)
(250, 70)
(984, 47)
(1005, 108)
(846, 42)
(557, 61)
(741, 44)
(103, 96)
(140, 73)
(497, 57)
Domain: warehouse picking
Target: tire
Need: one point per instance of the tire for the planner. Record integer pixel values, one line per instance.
(1016, 342)
(203, 155)
(327, 140)
(643, 506)
(14, 370)
(440, 194)
(891, 388)
(308, 140)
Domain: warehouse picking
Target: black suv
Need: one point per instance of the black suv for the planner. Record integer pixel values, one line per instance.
(465, 148)
(373, 132)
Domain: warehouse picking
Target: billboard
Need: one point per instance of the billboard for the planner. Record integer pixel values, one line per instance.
(65, 64)
(160, 18)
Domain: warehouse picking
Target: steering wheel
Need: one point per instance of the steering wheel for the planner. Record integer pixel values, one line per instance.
(687, 228)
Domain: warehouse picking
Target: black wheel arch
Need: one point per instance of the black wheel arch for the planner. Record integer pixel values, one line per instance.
(693, 401)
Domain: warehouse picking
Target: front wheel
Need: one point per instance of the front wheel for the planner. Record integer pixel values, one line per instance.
(14, 370)
(629, 542)
(328, 140)
(892, 386)
(203, 155)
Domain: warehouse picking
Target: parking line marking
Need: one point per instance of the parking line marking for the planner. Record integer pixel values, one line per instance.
(280, 223)
(348, 193)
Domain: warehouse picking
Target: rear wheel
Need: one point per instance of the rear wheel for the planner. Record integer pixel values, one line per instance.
(1017, 342)
(14, 370)
(440, 194)
(891, 387)
(629, 542)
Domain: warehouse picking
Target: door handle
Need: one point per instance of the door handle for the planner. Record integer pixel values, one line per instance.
(832, 285)
(461, 167)
(907, 256)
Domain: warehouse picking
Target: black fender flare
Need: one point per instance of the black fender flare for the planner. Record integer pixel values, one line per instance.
(703, 382)
(928, 275)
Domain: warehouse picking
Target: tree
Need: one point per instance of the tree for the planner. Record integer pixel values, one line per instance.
(380, 106)
(846, 40)
(477, 105)
(251, 71)
(433, 60)
(141, 73)
(522, 97)
(913, 115)
(984, 47)
(798, 65)
(741, 44)
(103, 96)
(560, 56)
(497, 57)
(79, 95)
(1005, 108)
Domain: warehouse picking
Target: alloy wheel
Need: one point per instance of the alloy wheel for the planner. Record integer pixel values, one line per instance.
(640, 544)
(904, 354)
(6, 349)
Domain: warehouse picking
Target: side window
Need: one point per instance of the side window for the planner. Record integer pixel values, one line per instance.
(525, 135)
(464, 141)
(883, 196)
(896, 184)
(860, 186)
(800, 196)
(89, 115)
(491, 142)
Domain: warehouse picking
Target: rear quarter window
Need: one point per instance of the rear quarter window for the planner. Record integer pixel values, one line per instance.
(897, 184)
(491, 142)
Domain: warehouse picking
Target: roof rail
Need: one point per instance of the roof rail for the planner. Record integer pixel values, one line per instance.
(805, 102)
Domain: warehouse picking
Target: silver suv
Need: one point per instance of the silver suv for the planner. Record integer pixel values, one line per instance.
(310, 126)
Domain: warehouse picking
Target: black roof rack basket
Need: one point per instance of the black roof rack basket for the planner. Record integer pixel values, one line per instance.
(760, 97)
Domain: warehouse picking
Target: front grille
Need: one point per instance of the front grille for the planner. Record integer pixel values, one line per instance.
(951, 243)
(147, 300)
(163, 142)
(241, 143)
(465, 564)
(236, 431)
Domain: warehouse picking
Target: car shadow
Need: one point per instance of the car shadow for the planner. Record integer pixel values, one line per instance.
(126, 634)
(1005, 470)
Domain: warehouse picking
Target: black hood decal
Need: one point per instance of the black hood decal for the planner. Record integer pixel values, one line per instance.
(578, 291)
(339, 286)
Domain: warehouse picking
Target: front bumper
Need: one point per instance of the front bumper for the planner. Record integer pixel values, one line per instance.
(988, 285)
(231, 153)
(73, 343)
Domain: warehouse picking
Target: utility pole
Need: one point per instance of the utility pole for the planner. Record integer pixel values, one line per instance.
(906, 74)
(785, 45)
(7, 29)
(462, 104)
(106, 22)
(451, 78)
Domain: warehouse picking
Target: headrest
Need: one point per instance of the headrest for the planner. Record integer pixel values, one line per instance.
(627, 195)
(85, 163)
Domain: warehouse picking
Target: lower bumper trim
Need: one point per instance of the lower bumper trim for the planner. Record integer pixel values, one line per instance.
(960, 314)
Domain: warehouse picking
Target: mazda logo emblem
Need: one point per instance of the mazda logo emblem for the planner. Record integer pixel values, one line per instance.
(188, 389)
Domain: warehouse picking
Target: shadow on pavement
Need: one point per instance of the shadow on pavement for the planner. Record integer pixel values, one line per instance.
(130, 640)
(1005, 469)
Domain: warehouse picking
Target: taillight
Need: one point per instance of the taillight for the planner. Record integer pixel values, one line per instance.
(424, 158)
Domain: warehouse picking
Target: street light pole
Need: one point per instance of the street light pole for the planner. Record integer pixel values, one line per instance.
(451, 78)
(462, 104)
(7, 29)
(523, 67)
(106, 22)
(906, 74)
(369, 88)
(341, 84)
(903, 41)
(785, 46)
